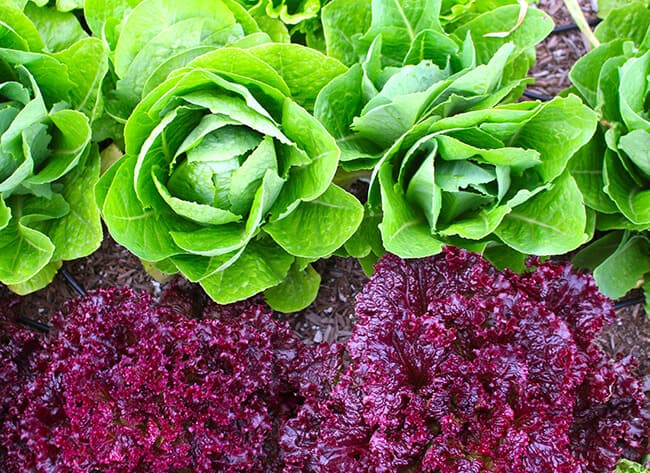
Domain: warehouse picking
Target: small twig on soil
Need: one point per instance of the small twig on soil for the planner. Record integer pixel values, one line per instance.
(73, 282)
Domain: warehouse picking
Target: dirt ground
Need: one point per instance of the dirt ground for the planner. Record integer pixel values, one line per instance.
(331, 316)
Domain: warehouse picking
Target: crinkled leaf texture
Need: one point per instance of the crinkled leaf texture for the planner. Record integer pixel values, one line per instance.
(453, 366)
(228, 180)
(124, 384)
(458, 367)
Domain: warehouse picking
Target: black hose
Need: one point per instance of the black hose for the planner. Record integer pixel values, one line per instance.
(33, 324)
(70, 279)
(629, 302)
(572, 26)
(536, 96)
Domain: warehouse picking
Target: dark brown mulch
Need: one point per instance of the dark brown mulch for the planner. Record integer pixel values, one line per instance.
(331, 316)
(559, 51)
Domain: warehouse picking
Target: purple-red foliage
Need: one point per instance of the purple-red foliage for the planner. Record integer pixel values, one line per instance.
(21, 356)
(453, 367)
(457, 367)
(132, 386)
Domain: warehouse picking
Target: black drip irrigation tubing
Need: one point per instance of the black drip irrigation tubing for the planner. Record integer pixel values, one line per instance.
(572, 26)
(536, 96)
(44, 328)
(33, 324)
(74, 284)
(629, 302)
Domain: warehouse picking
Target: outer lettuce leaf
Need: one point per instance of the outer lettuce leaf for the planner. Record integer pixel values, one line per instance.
(613, 171)
(58, 29)
(456, 181)
(228, 179)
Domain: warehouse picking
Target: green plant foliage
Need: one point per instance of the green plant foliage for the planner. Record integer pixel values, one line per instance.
(227, 178)
(606, 6)
(401, 58)
(494, 176)
(48, 97)
(295, 20)
(613, 171)
(420, 106)
(627, 466)
(151, 38)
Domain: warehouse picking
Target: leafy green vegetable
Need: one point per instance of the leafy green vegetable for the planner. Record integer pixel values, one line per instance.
(492, 175)
(47, 163)
(298, 20)
(627, 466)
(228, 179)
(613, 171)
(421, 108)
(149, 39)
(408, 61)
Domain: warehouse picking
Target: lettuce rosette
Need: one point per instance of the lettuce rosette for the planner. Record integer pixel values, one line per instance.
(401, 59)
(227, 178)
(48, 95)
(148, 39)
(613, 171)
(492, 180)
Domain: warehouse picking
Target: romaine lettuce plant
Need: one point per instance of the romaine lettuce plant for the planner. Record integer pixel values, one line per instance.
(48, 96)
(613, 171)
(450, 164)
(402, 61)
(149, 39)
(228, 179)
(493, 175)
(457, 367)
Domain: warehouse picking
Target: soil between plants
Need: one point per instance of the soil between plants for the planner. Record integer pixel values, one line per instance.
(331, 316)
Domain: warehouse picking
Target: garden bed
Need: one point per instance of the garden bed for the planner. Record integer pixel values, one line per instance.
(246, 126)
(331, 316)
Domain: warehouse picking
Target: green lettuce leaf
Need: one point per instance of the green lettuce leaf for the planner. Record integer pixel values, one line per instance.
(613, 171)
(227, 178)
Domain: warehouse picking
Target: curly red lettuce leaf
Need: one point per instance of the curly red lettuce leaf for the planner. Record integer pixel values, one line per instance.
(133, 385)
(458, 367)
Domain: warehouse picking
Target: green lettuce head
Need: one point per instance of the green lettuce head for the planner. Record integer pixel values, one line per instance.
(491, 180)
(47, 163)
(228, 179)
(613, 171)
(402, 59)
